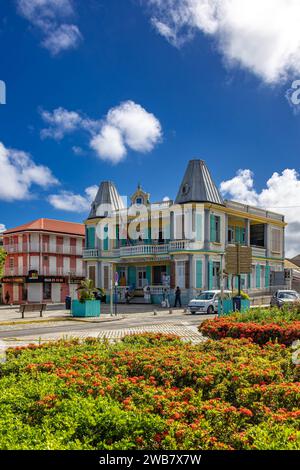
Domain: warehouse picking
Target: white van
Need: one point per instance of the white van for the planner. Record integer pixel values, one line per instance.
(207, 301)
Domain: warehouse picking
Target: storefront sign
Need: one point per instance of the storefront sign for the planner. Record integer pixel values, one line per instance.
(15, 280)
(76, 280)
(55, 280)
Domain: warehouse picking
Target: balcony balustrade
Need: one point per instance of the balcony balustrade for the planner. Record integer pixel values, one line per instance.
(94, 253)
(46, 271)
(259, 252)
(45, 248)
(180, 245)
(143, 250)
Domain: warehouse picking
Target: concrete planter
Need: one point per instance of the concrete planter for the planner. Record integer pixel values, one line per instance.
(90, 308)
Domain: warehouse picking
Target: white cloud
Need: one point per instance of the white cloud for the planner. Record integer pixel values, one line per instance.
(109, 144)
(48, 17)
(78, 150)
(127, 126)
(2, 228)
(281, 194)
(61, 122)
(140, 129)
(18, 173)
(260, 36)
(66, 36)
(70, 202)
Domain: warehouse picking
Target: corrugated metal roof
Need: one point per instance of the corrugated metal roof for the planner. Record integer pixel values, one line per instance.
(107, 194)
(49, 225)
(289, 265)
(295, 260)
(197, 185)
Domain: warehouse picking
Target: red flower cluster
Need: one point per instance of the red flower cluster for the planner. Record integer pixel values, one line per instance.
(260, 333)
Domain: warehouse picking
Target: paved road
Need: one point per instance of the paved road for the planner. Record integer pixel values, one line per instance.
(129, 322)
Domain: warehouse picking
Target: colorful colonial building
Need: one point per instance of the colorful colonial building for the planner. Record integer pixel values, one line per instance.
(179, 243)
(44, 261)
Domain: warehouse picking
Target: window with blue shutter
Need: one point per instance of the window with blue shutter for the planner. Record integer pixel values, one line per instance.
(105, 240)
(210, 274)
(212, 229)
(90, 238)
(267, 280)
(258, 271)
(148, 274)
(215, 229)
(132, 276)
(199, 274)
(198, 227)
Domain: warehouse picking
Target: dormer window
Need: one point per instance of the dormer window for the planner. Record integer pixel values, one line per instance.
(185, 189)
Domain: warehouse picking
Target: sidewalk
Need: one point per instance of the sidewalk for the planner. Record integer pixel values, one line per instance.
(12, 316)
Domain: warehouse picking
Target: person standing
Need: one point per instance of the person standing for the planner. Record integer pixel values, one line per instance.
(177, 297)
(7, 297)
(127, 295)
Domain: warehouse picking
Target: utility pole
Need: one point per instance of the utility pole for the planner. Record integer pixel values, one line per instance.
(221, 309)
(239, 268)
(111, 297)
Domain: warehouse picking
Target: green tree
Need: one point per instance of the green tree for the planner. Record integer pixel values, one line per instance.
(3, 255)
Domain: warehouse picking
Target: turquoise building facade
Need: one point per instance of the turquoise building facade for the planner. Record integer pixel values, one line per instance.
(156, 246)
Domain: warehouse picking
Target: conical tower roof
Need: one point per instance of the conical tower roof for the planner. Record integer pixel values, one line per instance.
(107, 194)
(198, 186)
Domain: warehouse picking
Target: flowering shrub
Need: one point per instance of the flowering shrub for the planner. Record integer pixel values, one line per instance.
(261, 333)
(284, 315)
(150, 392)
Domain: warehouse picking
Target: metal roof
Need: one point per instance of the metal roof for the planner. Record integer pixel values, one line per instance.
(197, 185)
(49, 225)
(107, 194)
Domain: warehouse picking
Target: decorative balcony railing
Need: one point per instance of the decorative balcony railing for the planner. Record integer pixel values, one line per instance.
(44, 248)
(143, 250)
(179, 245)
(91, 253)
(46, 271)
(259, 252)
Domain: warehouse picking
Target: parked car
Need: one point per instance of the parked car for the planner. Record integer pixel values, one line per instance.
(284, 297)
(207, 302)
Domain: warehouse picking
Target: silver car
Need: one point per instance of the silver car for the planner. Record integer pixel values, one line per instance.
(284, 297)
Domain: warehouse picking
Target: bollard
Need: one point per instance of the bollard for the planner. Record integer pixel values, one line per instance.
(155, 312)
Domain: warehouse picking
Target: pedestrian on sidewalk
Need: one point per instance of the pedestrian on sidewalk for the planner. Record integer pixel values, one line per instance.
(177, 297)
(166, 301)
(127, 295)
(7, 297)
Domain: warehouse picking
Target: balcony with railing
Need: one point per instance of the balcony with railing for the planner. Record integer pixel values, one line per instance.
(179, 245)
(91, 253)
(44, 248)
(144, 250)
(46, 271)
(259, 252)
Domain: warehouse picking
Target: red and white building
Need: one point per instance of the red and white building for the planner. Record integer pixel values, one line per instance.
(44, 261)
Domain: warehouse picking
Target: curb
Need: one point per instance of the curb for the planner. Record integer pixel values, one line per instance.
(59, 319)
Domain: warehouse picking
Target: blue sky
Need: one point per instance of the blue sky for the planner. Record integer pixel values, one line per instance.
(194, 101)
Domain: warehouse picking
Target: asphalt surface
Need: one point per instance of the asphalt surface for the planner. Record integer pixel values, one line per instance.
(127, 322)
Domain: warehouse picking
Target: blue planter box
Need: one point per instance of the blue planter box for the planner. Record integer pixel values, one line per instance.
(228, 306)
(90, 308)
